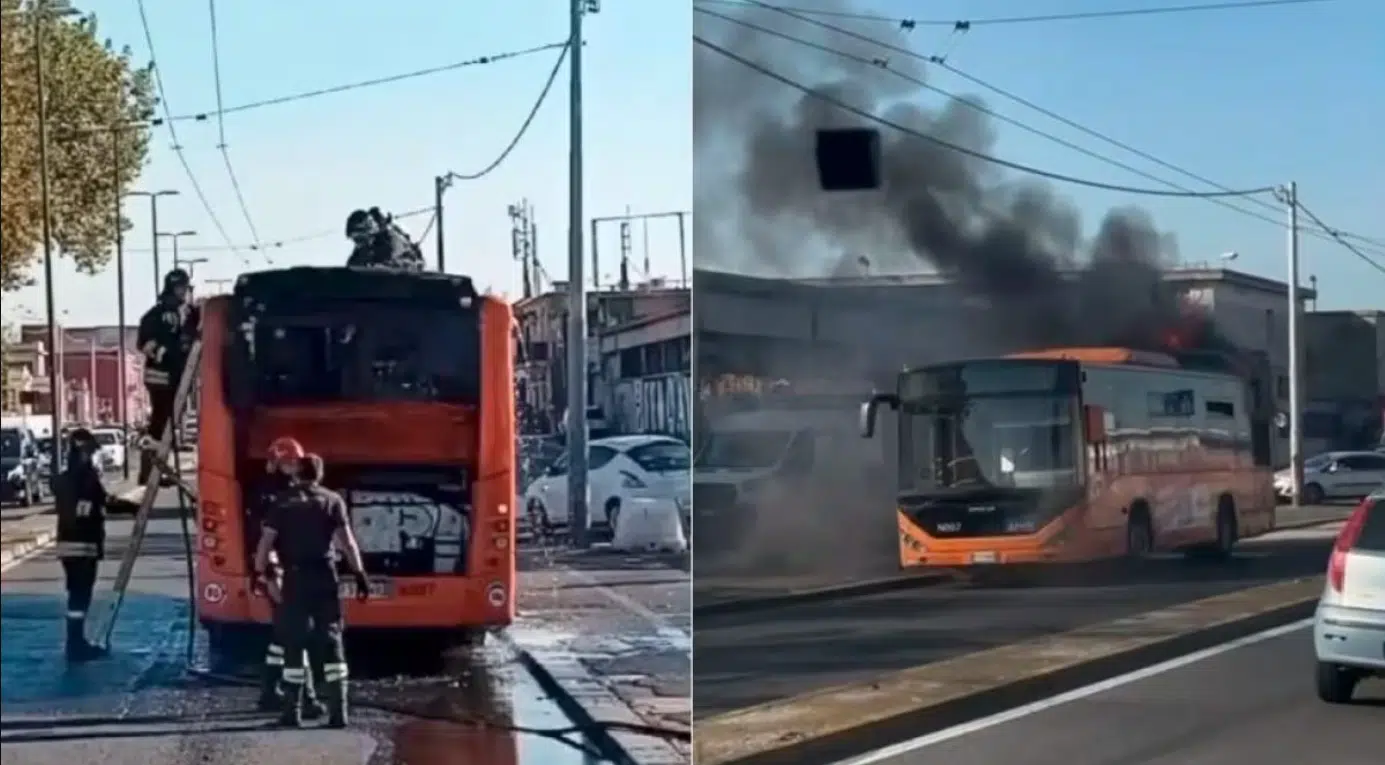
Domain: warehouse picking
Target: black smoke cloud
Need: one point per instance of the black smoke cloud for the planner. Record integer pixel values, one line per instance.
(1006, 238)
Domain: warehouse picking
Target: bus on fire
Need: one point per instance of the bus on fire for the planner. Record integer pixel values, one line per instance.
(403, 383)
(1074, 455)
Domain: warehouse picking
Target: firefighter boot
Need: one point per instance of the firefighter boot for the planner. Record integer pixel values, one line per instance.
(291, 715)
(335, 696)
(313, 709)
(270, 697)
(78, 649)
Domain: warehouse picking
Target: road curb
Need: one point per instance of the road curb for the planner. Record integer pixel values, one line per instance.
(593, 729)
(817, 594)
(20, 549)
(838, 723)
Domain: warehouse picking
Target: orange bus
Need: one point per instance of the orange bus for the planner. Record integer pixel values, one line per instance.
(1082, 454)
(403, 382)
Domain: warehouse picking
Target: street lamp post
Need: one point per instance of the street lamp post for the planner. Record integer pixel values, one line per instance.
(175, 236)
(154, 228)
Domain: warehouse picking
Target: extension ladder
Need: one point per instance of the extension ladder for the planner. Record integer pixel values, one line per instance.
(106, 614)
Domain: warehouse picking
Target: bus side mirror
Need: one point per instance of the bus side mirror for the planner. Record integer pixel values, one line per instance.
(1094, 421)
(869, 408)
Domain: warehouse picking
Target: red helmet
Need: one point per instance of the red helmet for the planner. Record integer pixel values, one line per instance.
(285, 453)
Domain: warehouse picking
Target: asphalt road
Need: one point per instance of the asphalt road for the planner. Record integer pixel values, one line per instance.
(744, 659)
(1251, 704)
(140, 707)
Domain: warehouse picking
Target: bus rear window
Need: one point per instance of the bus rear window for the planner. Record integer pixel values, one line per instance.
(373, 352)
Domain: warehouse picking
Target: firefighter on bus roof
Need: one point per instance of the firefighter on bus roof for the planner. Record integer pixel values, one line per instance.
(81, 502)
(380, 243)
(166, 334)
(303, 527)
(283, 470)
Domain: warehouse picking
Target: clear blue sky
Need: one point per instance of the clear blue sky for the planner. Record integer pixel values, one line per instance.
(1247, 98)
(304, 166)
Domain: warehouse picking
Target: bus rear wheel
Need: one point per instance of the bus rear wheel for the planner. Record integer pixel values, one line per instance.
(1139, 533)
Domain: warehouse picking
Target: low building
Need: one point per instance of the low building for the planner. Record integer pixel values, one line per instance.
(645, 383)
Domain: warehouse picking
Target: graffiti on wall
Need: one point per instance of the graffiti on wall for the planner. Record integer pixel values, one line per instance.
(657, 404)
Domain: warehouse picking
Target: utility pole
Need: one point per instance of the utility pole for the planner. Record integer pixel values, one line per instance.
(121, 382)
(441, 184)
(40, 12)
(577, 292)
(1290, 197)
(154, 229)
(522, 242)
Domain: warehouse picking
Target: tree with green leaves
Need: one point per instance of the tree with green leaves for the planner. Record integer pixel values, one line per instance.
(99, 107)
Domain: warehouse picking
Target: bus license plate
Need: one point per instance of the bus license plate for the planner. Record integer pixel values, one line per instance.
(379, 588)
(983, 557)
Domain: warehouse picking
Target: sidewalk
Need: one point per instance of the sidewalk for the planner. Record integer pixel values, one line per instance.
(614, 632)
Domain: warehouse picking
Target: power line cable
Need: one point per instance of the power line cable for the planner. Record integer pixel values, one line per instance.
(941, 62)
(277, 244)
(984, 157)
(221, 124)
(965, 24)
(524, 127)
(336, 89)
(173, 135)
(883, 64)
(1340, 239)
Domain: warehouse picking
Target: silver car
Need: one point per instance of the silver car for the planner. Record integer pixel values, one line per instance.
(1335, 475)
(1349, 629)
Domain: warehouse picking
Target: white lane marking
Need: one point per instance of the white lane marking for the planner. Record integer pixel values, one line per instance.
(975, 726)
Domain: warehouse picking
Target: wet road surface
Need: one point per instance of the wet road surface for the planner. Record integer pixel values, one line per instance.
(1252, 704)
(617, 627)
(141, 707)
(744, 659)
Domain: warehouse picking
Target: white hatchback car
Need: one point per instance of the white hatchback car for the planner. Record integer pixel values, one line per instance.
(1349, 629)
(112, 445)
(1335, 475)
(619, 468)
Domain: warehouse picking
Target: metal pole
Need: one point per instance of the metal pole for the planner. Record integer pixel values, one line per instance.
(121, 382)
(154, 235)
(439, 186)
(682, 249)
(596, 257)
(54, 373)
(577, 296)
(1295, 354)
(177, 263)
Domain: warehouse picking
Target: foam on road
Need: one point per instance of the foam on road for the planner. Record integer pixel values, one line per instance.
(1250, 702)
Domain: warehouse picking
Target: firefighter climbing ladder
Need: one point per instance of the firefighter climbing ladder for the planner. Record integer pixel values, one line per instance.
(161, 471)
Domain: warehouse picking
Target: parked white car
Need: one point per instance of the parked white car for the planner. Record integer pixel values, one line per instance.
(1335, 475)
(620, 468)
(112, 445)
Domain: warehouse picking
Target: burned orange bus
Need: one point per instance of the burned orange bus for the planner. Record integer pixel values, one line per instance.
(1076, 455)
(403, 382)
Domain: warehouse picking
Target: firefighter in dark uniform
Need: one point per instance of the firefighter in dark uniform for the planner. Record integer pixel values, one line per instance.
(82, 501)
(379, 243)
(283, 469)
(166, 334)
(305, 525)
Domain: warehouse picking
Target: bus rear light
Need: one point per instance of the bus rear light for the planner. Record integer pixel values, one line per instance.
(210, 543)
(502, 543)
(1341, 549)
(502, 526)
(496, 595)
(218, 561)
(209, 526)
(502, 509)
(213, 510)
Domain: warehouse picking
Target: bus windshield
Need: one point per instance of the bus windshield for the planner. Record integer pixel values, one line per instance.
(371, 351)
(989, 441)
